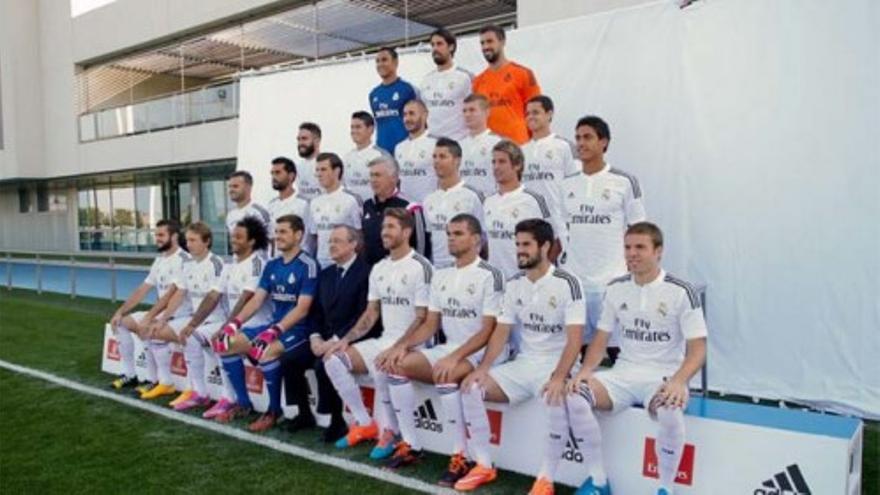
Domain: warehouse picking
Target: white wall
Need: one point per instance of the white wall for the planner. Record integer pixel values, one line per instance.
(22, 154)
(532, 12)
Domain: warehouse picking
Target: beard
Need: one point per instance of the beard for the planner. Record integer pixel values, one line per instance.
(278, 186)
(163, 247)
(490, 56)
(306, 151)
(527, 263)
(438, 58)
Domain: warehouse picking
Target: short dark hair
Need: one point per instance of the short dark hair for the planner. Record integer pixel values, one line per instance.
(403, 216)
(203, 231)
(289, 166)
(494, 28)
(540, 229)
(312, 127)
(172, 225)
(391, 51)
(447, 36)
(473, 224)
(294, 221)
(450, 144)
(333, 158)
(598, 125)
(364, 117)
(418, 102)
(480, 98)
(256, 231)
(647, 228)
(544, 100)
(244, 174)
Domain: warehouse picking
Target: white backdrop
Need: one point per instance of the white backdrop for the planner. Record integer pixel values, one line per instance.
(753, 127)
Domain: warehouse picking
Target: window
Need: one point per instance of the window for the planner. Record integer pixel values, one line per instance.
(42, 197)
(213, 205)
(57, 200)
(24, 200)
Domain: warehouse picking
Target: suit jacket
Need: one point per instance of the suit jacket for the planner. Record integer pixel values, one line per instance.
(341, 303)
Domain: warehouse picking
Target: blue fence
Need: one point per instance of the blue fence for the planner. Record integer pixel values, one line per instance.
(79, 280)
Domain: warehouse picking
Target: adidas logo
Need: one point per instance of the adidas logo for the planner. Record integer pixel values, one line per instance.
(788, 482)
(214, 377)
(571, 452)
(141, 360)
(623, 307)
(426, 418)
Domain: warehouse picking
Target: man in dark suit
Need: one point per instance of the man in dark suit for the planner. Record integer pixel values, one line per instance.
(341, 298)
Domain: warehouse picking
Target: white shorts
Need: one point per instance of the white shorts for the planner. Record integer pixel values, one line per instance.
(202, 333)
(439, 352)
(370, 349)
(628, 386)
(523, 378)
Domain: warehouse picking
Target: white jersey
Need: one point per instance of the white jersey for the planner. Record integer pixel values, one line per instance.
(200, 278)
(357, 174)
(307, 185)
(503, 212)
(242, 276)
(463, 296)
(439, 208)
(167, 271)
(598, 208)
(476, 161)
(400, 286)
(541, 311)
(340, 207)
(252, 209)
(547, 162)
(416, 160)
(654, 321)
(443, 93)
(292, 205)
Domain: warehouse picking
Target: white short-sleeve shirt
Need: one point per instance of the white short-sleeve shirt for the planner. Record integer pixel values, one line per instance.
(400, 286)
(340, 207)
(439, 207)
(199, 278)
(547, 162)
(476, 161)
(503, 212)
(242, 276)
(416, 160)
(463, 296)
(357, 172)
(167, 270)
(443, 92)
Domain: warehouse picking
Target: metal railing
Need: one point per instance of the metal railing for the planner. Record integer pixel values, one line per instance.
(178, 109)
(112, 262)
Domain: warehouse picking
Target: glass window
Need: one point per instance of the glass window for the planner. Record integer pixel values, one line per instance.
(185, 198)
(58, 199)
(124, 235)
(24, 200)
(42, 197)
(148, 200)
(88, 214)
(103, 205)
(213, 205)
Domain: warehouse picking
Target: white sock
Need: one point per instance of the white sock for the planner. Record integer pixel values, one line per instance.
(152, 374)
(342, 379)
(477, 422)
(161, 351)
(586, 432)
(557, 434)
(670, 444)
(450, 398)
(126, 350)
(213, 359)
(403, 401)
(195, 366)
(382, 404)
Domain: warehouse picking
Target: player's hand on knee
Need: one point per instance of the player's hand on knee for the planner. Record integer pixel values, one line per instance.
(674, 394)
(261, 344)
(115, 321)
(335, 348)
(554, 391)
(222, 340)
(477, 378)
(443, 369)
(582, 378)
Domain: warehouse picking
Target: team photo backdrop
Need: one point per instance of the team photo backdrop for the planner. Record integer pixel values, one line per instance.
(752, 126)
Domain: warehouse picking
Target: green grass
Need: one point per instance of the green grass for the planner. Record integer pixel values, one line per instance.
(53, 439)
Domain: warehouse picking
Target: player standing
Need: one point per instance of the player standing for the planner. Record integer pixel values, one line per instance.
(476, 147)
(444, 89)
(388, 99)
(415, 154)
(335, 206)
(357, 175)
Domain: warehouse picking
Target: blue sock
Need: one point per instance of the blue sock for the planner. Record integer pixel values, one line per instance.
(234, 367)
(272, 376)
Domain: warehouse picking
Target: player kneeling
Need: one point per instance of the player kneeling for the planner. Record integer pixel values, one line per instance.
(289, 281)
(663, 344)
(465, 300)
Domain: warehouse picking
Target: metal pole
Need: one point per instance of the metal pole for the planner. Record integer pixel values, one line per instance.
(704, 372)
(39, 276)
(72, 277)
(112, 280)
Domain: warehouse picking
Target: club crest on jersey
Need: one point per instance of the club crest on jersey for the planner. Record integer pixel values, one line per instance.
(606, 194)
(549, 154)
(623, 307)
(338, 208)
(291, 279)
(515, 213)
(457, 206)
(519, 301)
(570, 194)
(471, 289)
(395, 96)
(662, 309)
(483, 151)
(422, 154)
(403, 279)
(451, 85)
(552, 302)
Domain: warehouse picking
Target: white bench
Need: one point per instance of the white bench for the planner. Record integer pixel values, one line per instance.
(732, 448)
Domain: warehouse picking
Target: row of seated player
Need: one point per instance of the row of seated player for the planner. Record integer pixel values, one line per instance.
(288, 317)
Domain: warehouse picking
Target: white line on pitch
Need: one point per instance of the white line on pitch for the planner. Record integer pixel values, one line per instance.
(329, 460)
